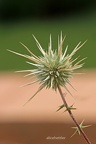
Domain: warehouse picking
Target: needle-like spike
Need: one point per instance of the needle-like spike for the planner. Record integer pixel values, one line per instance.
(39, 46)
(40, 88)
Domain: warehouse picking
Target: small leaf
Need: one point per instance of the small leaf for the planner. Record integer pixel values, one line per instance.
(74, 133)
(81, 126)
(60, 107)
(70, 108)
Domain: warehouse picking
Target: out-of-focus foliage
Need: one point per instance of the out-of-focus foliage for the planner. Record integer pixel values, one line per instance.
(76, 29)
(20, 19)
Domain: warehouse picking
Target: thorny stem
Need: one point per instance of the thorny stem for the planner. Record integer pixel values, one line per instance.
(71, 115)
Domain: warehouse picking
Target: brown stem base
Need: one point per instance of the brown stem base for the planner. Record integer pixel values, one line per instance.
(71, 115)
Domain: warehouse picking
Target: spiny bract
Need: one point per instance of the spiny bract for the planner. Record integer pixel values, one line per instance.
(54, 67)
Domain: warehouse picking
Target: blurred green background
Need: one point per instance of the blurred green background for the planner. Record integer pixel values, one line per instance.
(20, 19)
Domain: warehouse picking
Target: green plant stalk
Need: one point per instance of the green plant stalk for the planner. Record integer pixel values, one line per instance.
(71, 115)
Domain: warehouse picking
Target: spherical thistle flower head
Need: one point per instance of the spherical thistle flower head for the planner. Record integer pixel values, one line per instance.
(54, 67)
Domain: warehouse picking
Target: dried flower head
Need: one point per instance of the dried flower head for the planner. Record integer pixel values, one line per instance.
(53, 70)
(54, 67)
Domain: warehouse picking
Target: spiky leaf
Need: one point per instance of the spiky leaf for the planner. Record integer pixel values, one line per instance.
(60, 107)
(70, 108)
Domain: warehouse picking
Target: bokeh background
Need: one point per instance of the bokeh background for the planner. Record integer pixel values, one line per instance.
(20, 19)
(38, 120)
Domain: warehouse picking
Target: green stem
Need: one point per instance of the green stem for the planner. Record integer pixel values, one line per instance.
(71, 115)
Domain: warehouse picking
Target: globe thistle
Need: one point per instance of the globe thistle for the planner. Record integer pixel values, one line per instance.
(53, 70)
(54, 67)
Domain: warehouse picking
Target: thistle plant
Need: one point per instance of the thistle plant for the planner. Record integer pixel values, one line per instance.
(53, 69)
